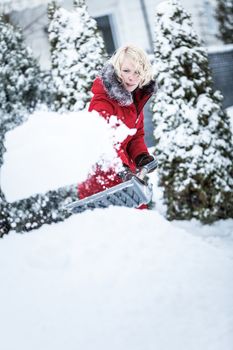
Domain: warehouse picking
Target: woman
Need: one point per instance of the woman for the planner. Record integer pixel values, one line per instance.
(122, 90)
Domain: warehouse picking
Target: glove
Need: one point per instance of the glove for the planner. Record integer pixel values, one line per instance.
(143, 159)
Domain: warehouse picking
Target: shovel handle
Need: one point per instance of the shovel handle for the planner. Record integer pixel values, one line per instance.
(148, 168)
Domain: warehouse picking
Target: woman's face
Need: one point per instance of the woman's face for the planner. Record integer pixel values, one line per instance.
(129, 75)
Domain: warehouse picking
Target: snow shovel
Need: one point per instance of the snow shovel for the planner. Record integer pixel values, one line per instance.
(131, 193)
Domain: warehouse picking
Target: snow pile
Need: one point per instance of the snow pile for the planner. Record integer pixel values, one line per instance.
(139, 283)
(117, 278)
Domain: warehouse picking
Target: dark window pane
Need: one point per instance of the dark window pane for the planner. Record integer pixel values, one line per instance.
(104, 27)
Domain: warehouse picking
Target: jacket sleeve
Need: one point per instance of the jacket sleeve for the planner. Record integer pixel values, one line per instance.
(103, 107)
(137, 144)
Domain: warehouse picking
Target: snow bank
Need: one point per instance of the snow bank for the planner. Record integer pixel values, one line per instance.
(114, 279)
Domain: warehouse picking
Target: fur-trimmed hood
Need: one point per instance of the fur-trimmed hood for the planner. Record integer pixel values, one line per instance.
(115, 89)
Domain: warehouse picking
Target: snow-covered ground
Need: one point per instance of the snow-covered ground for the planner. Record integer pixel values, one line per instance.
(116, 278)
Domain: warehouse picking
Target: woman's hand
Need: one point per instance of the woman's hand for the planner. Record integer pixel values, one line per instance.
(143, 159)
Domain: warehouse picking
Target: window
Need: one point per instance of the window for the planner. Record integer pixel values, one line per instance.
(104, 26)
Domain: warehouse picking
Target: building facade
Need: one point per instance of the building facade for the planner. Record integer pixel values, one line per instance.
(119, 21)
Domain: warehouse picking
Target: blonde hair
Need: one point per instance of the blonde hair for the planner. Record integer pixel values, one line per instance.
(139, 58)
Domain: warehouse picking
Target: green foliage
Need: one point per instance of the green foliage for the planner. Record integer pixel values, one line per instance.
(4, 224)
(33, 212)
(194, 144)
(19, 78)
(77, 53)
(22, 86)
(224, 15)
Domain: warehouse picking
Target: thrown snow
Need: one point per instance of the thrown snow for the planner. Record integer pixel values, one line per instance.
(114, 279)
(52, 150)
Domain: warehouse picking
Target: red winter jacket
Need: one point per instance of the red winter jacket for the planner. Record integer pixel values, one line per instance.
(111, 98)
